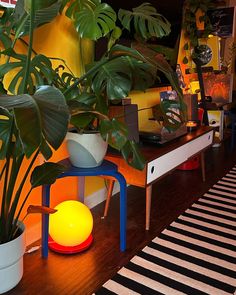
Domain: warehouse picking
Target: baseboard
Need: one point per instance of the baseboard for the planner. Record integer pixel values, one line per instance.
(33, 233)
(99, 196)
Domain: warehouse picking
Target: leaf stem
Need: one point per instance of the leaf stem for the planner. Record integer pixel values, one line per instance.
(28, 58)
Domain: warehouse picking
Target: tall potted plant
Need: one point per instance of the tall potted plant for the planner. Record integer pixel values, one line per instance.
(38, 102)
(33, 120)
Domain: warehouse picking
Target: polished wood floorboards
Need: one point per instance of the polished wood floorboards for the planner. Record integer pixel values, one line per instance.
(84, 273)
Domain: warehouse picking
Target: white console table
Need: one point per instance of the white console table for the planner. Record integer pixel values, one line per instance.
(160, 160)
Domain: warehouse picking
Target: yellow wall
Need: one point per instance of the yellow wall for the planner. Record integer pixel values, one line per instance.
(145, 100)
(59, 39)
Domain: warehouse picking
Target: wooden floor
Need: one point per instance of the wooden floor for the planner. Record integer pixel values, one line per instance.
(84, 273)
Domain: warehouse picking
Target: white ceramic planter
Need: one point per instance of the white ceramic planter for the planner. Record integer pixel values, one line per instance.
(11, 262)
(86, 150)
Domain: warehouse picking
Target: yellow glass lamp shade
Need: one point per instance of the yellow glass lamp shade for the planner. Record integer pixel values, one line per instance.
(72, 224)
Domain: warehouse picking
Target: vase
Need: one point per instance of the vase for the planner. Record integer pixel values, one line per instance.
(11, 261)
(86, 150)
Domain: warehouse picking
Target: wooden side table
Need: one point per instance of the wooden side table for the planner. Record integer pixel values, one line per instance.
(105, 169)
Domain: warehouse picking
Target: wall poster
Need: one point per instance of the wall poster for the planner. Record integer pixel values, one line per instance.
(8, 3)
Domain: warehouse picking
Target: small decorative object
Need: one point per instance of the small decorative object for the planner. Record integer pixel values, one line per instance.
(70, 227)
(191, 126)
(216, 119)
(202, 54)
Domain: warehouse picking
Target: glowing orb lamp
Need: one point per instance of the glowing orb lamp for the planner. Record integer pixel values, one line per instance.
(70, 227)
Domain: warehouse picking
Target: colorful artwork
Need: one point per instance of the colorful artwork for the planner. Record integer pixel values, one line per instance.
(170, 103)
(213, 43)
(8, 3)
(218, 86)
(216, 119)
(180, 76)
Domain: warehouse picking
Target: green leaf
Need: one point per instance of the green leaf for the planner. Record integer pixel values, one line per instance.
(146, 21)
(41, 71)
(6, 121)
(114, 78)
(47, 113)
(45, 149)
(46, 11)
(39, 4)
(54, 114)
(95, 23)
(115, 35)
(46, 173)
(115, 132)
(124, 69)
(185, 60)
(186, 46)
(131, 153)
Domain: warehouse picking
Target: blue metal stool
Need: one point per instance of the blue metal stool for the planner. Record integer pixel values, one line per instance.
(105, 169)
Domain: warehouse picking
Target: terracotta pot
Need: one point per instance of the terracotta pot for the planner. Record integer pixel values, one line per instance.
(11, 262)
(86, 150)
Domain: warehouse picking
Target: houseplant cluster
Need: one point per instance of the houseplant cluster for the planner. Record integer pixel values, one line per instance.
(38, 101)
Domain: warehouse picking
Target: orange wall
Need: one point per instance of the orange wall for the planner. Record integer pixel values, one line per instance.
(57, 39)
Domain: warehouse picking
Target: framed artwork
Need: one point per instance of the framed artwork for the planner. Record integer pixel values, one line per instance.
(180, 76)
(213, 43)
(169, 99)
(216, 119)
(222, 20)
(218, 86)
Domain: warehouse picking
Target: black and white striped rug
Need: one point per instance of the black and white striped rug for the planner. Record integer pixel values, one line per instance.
(195, 255)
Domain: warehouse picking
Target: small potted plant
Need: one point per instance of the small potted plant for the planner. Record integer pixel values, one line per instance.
(111, 78)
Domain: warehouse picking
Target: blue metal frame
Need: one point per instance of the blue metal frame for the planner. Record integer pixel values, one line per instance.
(107, 168)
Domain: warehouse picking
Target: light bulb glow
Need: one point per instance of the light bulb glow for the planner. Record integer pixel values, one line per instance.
(72, 224)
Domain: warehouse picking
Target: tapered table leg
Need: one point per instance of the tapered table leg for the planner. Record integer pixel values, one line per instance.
(148, 205)
(203, 166)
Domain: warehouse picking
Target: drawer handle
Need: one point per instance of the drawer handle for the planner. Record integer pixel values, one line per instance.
(152, 169)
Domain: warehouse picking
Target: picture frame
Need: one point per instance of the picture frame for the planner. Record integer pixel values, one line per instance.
(223, 21)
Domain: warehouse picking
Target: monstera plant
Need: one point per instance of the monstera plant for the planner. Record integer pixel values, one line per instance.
(109, 79)
(37, 101)
(34, 118)
(119, 70)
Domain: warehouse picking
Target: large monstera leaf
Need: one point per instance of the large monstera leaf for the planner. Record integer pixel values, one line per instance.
(6, 120)
(158, 61)
(40, 71)
(124, 69)
(116, 133)
(45, 12)
(92, 19)
(146, 21)
(40, 118)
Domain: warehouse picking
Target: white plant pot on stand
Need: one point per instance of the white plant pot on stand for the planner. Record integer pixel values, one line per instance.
(86, 150)
(11, 262)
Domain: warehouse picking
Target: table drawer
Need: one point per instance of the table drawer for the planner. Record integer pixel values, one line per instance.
(173, 159)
